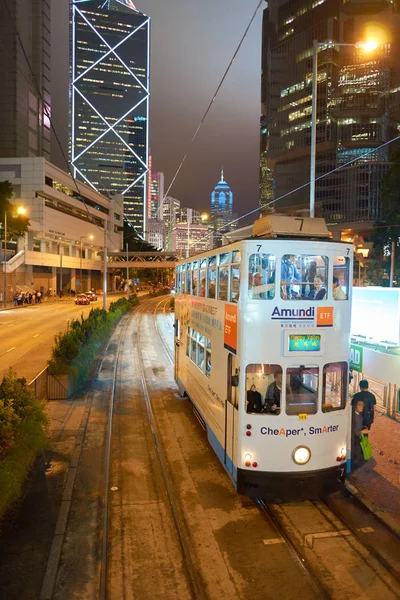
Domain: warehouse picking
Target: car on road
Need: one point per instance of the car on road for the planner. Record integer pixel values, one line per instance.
(82, 299)
(92, 296)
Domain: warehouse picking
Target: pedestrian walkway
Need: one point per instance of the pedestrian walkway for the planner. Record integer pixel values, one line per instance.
(379, 479)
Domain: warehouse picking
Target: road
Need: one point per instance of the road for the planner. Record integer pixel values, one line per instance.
(27, 334)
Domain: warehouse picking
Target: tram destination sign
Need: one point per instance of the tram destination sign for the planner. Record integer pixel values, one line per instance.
(304, 343)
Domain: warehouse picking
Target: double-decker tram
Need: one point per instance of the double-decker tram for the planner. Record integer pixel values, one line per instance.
(262, 338)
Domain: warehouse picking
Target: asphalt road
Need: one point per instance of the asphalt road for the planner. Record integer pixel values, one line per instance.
(27, 333)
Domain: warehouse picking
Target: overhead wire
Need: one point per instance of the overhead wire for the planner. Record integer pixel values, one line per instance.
(259, 3)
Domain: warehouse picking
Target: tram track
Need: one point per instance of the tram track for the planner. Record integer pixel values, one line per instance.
(196, 583)
(310, 527)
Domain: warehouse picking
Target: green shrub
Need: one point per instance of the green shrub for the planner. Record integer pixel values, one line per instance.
(23, 433)
(75, 350)
(172, 303)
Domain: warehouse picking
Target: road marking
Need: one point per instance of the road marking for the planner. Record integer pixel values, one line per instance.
(309, 538)
(273, 541)
(36, 335)
(13, 348)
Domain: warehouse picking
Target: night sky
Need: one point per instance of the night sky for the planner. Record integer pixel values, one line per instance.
(192, 44)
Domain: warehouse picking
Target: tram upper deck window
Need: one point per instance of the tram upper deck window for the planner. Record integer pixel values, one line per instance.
(188, 278)
(340, 284)
(263, 385)
(304, 277)
(223, 282)
(261, 276)
(335, 378)
(211, 277)
(302, 390)
(195, 283)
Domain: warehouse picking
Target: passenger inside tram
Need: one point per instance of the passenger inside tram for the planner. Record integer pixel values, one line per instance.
(319, 291)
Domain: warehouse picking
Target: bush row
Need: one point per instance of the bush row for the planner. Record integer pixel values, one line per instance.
(161, 292)
(75, 350)
(23, 433)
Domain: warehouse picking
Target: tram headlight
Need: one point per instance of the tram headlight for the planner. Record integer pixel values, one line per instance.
(301, 455)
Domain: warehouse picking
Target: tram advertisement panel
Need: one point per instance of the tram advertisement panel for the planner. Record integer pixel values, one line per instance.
(230, 327)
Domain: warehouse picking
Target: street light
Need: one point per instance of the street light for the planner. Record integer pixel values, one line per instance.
(368, 46)
(20, 212)
(84, 237)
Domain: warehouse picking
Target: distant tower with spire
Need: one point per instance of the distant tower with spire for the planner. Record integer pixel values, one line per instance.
(222, 198)
(221, 208)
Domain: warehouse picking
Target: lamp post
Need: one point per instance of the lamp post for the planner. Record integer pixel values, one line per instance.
(368, 47)
(20, 211)
(84, 237)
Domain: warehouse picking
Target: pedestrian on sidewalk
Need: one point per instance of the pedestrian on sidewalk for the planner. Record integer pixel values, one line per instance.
(358, 427)
(369, 401)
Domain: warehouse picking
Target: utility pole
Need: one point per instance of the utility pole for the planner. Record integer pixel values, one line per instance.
(105, 266)
(5, 259)
(127, 270)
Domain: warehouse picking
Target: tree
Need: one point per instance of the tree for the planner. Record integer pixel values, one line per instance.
(17, 225)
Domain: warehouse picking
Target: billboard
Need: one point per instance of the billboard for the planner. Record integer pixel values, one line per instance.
(376, 314)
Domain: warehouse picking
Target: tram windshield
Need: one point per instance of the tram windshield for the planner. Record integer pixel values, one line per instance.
(302, 397)
(304, 277)
(335, 378)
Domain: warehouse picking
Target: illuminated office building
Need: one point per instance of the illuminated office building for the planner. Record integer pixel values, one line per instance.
(25, 101)
(156, 195)
(221, 209)
(356, 109)
(110, 101)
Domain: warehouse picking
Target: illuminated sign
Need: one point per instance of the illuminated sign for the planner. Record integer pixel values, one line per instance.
(376, 314)
(356, 358)
(230, 327)
(304, 343)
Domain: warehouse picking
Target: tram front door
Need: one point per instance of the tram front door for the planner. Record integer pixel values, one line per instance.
(177, 335)
(231, 410)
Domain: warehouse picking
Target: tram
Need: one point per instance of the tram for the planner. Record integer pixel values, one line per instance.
(262, 343)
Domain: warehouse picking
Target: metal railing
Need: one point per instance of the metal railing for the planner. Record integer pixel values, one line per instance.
(50, 387)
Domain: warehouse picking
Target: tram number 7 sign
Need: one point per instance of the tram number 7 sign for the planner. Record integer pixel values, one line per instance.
(230, 328)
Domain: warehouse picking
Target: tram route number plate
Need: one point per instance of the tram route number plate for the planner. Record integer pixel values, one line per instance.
(303, 417)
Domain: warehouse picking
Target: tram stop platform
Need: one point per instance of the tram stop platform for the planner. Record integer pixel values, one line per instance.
(377, 483)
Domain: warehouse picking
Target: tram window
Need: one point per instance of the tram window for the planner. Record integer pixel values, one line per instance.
(236, 256)
(261, 276)
(340, 283)
(235, 283)
(208, 363)
(203, 283)
(212, 261)
(203, 263)
(211, 282)
(302, 386)
(200, 358)
(263, 385)
(188, 282)
(195, 287)
(183, 282)
(224, 258)
(223, 280)
(304, 277)
(334, 386)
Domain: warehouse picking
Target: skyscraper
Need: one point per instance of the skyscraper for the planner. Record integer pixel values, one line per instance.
(157, 193)
(25, 102)
(110, 101)
(221, 208)
(357, 96)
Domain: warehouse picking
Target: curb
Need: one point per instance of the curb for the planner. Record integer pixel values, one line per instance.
(386, 519)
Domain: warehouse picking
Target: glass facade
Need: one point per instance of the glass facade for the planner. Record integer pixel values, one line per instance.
(354, 113)
(110, 101)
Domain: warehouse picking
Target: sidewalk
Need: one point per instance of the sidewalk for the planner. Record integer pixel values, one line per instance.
(377, 482)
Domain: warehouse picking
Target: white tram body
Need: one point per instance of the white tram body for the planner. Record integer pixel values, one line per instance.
(262, 338)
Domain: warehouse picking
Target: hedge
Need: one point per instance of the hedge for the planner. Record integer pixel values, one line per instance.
(23, 433)
(74, 351)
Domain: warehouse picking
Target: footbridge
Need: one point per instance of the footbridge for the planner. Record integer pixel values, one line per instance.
(142, 260)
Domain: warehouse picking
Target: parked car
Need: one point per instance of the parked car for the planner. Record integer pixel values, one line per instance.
(82, 299)
(92, 296)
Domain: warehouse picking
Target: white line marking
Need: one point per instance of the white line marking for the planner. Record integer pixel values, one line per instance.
(36, 335)
(13, 348)
(273, 541)
(309, 538)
